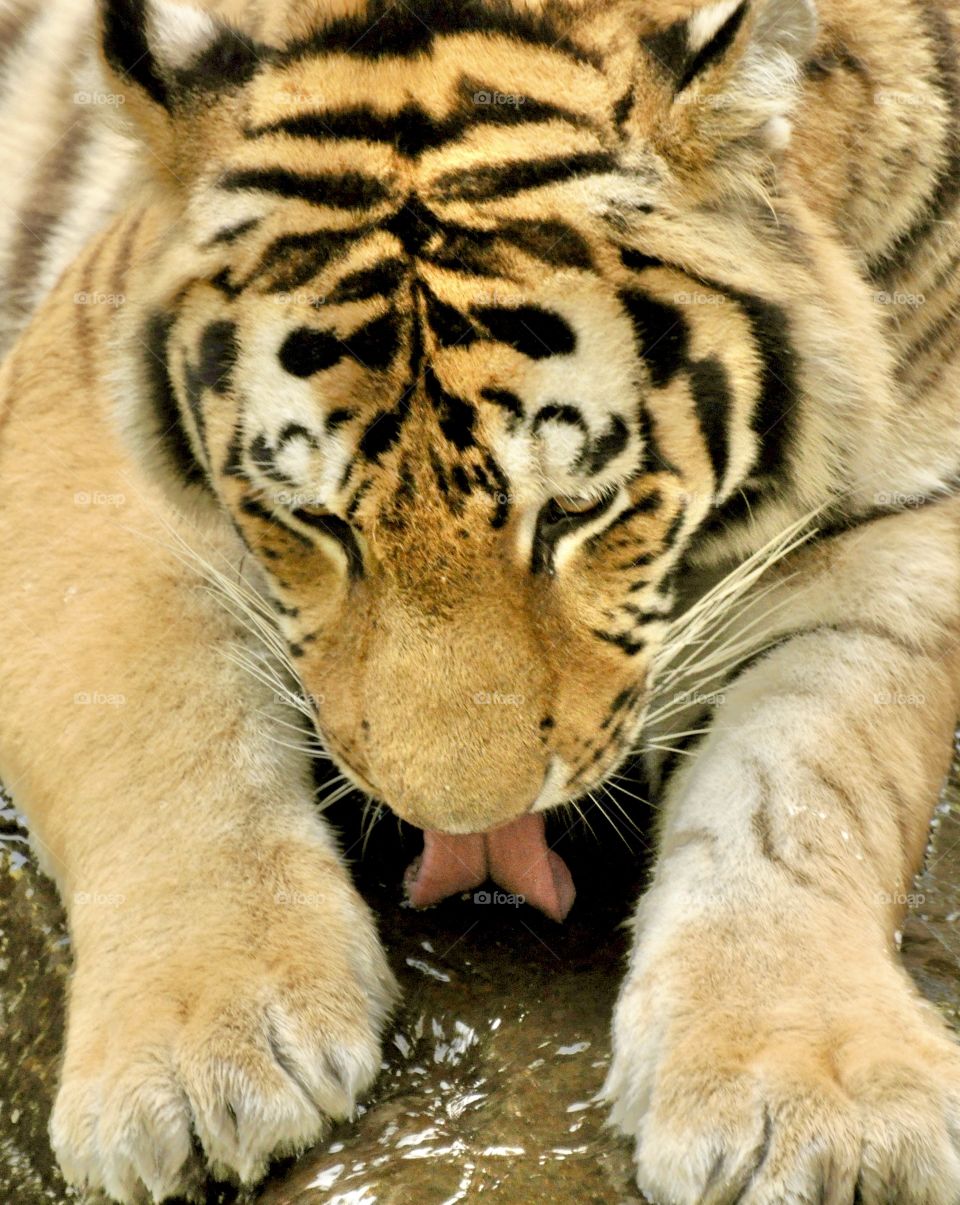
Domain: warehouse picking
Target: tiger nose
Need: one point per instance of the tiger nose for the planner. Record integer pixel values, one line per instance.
(463, 760)
(459, 785)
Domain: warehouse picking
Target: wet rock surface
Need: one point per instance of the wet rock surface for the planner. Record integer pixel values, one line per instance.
(494, 1059)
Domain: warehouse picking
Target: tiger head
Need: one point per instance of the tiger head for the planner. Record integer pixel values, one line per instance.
(474, 320)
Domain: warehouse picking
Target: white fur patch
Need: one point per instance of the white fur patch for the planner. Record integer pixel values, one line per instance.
(178, 33)
(777, 132)
(210, 212)
(706, 22)
(552, 792)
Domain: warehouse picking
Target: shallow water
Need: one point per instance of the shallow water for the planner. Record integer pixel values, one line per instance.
(501, 1043)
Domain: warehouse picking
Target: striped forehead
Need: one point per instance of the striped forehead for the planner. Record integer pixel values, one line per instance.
(398, 59)
(547, 386)
(399, 244)
(456, 115)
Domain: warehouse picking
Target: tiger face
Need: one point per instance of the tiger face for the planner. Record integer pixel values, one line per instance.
(450, 346)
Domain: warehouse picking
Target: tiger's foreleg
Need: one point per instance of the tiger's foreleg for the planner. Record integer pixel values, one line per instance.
(769, 1048)
(229, 988)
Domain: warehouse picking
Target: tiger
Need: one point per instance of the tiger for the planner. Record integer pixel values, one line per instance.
(369, 364)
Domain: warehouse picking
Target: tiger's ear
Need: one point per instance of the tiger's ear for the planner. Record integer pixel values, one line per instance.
(160, 55)
(731, 72)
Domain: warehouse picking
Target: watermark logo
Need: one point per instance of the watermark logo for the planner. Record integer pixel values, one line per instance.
(899, 500)
(98, 498)
(909, 899)
(890, 98)
(298, 899)
(99, 899)
(899, 698)
(99, 698)
(699, 299)
(295, 500)
(509, 899)
(499, 98)
(114, 99)
(898, 298)
(716, 100)
(314, 300)
(92, 297)
(700, 698)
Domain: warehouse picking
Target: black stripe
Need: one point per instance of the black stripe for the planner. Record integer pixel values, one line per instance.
(669, 48)
(714, 49)
(380, 280)
(457, 416)
(552, 242)
(479, 252)
(373, 346)
(337, 190)
(772, 420)
(233, 461)
(711, 397)
(381, 433)
(413, 224)
(637, 261)
(168, 424)
(604, 447)
(631, 645)
(385, 28)
(654, 458)
(411, 130)
(560, 412)
(222, 282)
(292, 259)
(230, 234)
(553, 523)
(124, 42)
(533, 331)
(226, 64)
(623, 106)
(250, 506)
(646, 505)
(306, 351)
(737, 510)
(496, 181)
(505, 399)
(291, 431)
(661, 331)
(449, 326)
(342, 532)
(218, 353)
(470, 252)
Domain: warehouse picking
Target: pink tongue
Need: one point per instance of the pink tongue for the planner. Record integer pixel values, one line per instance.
(514, 856)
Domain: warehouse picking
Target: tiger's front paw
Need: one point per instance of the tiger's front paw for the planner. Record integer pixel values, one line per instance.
(784, 1078)
(241, 1037)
